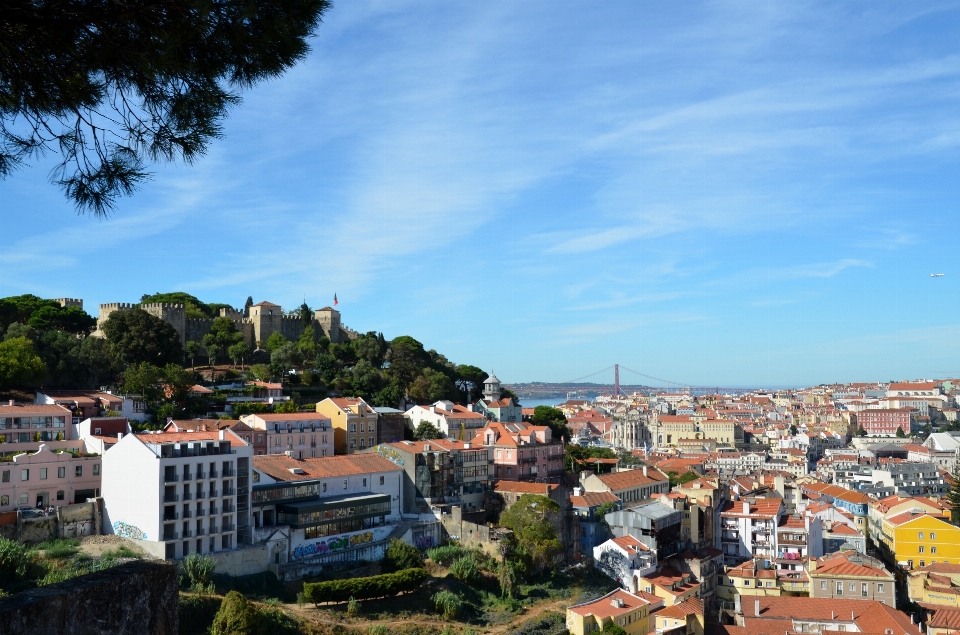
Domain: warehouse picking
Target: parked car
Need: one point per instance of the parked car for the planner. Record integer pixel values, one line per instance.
(30, 512)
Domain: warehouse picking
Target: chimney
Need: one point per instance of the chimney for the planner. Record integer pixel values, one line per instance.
(119, 436)
(578, 491)
(644, 470)
(832, 616)
(223, 435)
(756, 607)
(746, 508)
(11, 403)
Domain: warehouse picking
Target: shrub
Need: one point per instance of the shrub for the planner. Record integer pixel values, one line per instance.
(273, 621)
(61, 548)
(447, 604)
(237, 616)
(377, 629)
(14, 560)
(466, 570)
(446, 554)
(197, 613)
(122, 551)
(353, 607)
(400, 556)
(199, 569)
(376, 586)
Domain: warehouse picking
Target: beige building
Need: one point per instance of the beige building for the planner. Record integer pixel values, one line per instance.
(354, 423)
(852, 576)
(304, 435)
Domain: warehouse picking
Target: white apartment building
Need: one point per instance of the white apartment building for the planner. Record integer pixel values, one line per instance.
(448, 417)
(748, 529)
(305, 434)
(178, 493)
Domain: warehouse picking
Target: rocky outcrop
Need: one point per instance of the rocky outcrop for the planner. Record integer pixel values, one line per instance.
(137, 597)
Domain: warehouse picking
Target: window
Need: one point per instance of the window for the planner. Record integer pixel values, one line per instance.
(879, 587)
(344, 483)
(371, 442)
(839, 588)
(43, 473)
(933, 550)
(353, 427)
(324, 487)
(96, 469)
(746, 583)
(6, 476)
(276, 442)
(933, 535)
(78, 470)
(364, 481)
(256, 476)
(381, 480)
(25, 475)
(60, 494)
(920, 536)
(920, 549)
(823, 585)
(923, 563)
(61, 472)
(769, 583)
(24, 499)
(909, 564)
(863, 589)
(259, 438)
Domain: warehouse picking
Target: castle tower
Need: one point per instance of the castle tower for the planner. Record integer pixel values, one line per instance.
(491, 388)
(266, 318)
(329, 320)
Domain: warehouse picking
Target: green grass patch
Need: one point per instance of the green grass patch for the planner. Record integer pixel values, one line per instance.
(120, 552)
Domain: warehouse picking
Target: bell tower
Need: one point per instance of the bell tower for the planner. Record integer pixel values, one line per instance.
(491, 388)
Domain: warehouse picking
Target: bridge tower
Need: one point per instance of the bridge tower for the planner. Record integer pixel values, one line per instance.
(616, 380)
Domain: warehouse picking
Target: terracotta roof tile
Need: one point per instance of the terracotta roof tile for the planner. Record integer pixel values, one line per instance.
(278, 466)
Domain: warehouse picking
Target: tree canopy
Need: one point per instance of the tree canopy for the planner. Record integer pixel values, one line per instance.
(137, 336)
(554, 419)
(530, 519)
(112, 86)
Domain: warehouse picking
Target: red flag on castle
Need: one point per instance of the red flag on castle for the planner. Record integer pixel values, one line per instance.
(335, 301)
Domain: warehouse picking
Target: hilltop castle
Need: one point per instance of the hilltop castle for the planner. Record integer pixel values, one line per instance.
(264, 319)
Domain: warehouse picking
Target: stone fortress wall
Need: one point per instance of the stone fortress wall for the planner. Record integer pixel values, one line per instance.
(264, 320)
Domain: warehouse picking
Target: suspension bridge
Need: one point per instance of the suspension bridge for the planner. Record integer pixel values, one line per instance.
(617, 379)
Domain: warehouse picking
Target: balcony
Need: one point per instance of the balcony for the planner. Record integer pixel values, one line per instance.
(172, 535)
(213, 529)
(213, 511)
(229, 491)
(229, 472)
(213, 474)
(201, 476)
(201, 495)
(171, 516)
(228, 507)
(171, 478)
(170, 498)
(527, 459)
(187, 513)
(200, 531)
(792, 542)
(187, 496)
(229, 527)
(187, 477)
(214, 494)
(187, 533)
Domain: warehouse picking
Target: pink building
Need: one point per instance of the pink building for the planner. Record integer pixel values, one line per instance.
(884, 421)
(305, 435)
(522, 452)
(23, 427)
(47, 478)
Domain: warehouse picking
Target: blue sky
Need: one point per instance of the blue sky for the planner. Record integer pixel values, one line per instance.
(714, 193)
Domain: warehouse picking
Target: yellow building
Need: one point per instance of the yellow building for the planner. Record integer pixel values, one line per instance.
(688, 615)
(886, 508)
(747, 578)
(354, 424)
(916, 539)
(670, 585)
(628, 611)
(936, 583)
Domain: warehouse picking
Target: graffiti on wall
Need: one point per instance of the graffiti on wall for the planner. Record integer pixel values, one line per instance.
(328, 545)
(389, 453)
(128, 531)
(614, 565)
(424, 542)
(76, 529)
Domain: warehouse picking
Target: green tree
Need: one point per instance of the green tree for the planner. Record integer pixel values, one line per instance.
(407, 358)
(426, 431)
(612, 628)
(389, 395)
(275, 341)
(365, 379)
(223, 334)
(554, 419)
(19, 363)
(237, 352)
(237, 616)
(286, 357)
(18, 329)
(143, 379)
(260, 372)
(600, 513)
(179, 381)
(193, 350)
(371, 348)
(400, 556)
(793, 430)
(305, 313)
(60, 352)
(97, 358)
(530, 519)
(136, 336)
(112, 86)
(900, 433)
(473, 378)
(70, 319)
(306, 344)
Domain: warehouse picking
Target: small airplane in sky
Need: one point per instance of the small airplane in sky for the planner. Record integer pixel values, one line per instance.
(936, 275)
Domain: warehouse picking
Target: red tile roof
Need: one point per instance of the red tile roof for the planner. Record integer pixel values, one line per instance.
(593, 499)
(632, 478)
(518, 487)
(278, 466)
(605, 607)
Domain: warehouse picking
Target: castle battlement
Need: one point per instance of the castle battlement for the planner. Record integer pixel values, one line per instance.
(115, 306)
(160, 305)
(69, 302)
